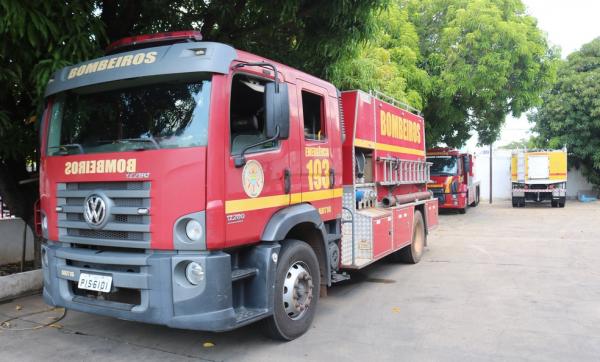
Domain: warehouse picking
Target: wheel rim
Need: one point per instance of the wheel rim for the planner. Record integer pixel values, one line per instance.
(297, 290)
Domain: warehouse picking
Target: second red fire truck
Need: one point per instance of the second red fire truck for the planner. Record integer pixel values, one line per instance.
(453, 179)
(190, 184)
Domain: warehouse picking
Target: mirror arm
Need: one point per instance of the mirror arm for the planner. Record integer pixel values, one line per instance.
(240, 160)
(261, 64)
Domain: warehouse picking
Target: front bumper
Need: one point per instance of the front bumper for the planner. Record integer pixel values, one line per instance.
(152, 283)
(547, 194)
(451, 200)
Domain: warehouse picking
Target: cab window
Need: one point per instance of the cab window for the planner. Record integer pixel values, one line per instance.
(314, 116)
(247, 115)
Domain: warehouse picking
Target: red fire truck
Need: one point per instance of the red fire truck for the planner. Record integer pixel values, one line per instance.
(453, 181)
(190, 184)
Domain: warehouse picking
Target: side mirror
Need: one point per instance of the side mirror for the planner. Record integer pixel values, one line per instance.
(467, 164)
(471, 165)
(277, 110)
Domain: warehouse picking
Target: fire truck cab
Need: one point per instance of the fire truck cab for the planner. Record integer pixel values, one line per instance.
(190, 184)
(453, 182)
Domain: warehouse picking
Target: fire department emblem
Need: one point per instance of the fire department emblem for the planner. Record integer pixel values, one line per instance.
(253, 178)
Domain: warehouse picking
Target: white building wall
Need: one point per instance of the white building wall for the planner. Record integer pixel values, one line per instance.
(501, 185)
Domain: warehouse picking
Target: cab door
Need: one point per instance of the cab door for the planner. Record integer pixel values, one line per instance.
(259, 188)
(320, 136)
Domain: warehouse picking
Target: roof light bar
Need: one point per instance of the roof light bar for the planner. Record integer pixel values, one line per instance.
(140, 41)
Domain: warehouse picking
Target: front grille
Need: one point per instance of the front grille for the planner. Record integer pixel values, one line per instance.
(105, 234)
(124, 228)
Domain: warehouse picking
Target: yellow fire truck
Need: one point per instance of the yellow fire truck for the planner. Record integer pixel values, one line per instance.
(539, 176)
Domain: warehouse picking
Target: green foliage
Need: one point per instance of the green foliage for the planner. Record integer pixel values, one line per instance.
(485, 59)
(309, 35)
(37, 38)
(387, 61)
(570, 113)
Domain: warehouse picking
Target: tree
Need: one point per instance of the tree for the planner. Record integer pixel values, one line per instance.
(485, 58)
(388, 61)
(39, 37)
(36, 38)
(309, 35)
(570, 113)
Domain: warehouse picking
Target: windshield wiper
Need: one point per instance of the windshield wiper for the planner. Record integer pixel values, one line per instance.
(65, 148)
(144, 139)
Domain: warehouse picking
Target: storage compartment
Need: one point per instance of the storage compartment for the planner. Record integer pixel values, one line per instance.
(382, 235)
(431, 209)
(403, 222)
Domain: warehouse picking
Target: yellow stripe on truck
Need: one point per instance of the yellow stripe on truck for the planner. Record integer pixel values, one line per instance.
(266, 202)
(387, 147)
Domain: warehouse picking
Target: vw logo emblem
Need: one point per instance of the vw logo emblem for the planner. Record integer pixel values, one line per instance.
(94, 210)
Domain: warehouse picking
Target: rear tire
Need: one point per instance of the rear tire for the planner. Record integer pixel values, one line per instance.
(412, 253)
(463, 210)
(297, 287)
(476, 201)
(562, 203)
(554, 203)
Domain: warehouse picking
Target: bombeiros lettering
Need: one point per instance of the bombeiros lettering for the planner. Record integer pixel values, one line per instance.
(399, 127)
(113, 63)
(101, 166)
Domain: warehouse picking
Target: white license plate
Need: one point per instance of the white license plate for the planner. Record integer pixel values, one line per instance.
(98, 283)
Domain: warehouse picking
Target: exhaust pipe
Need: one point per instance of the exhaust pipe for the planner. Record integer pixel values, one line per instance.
(388, 201)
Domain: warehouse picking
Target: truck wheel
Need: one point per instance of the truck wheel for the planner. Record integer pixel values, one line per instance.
(476, 201)
(515, 203)
(296, 291)
(562, 202)
(554, 203)
(412, 253)
(463, 210)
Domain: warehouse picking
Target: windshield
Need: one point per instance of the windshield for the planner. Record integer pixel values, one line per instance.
(443, 165)
(169, 115)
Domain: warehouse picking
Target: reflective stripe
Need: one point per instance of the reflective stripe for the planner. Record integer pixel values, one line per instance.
(387, 147)
(266, 202)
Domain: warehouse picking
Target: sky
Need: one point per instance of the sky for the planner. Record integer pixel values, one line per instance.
(568, 24)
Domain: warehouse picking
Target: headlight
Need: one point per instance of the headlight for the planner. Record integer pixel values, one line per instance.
(193, 230)
(194, 273)
(44, 223)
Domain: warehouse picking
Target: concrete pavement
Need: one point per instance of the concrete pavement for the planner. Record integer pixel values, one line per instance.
(495, 284)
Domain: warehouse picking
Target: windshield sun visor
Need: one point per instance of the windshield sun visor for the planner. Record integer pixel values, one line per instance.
(164, 60)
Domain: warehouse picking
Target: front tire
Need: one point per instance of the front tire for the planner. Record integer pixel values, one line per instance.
(297, 285)
(412, 253)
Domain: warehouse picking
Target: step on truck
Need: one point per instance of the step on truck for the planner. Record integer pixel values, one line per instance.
(538, 176)
(453, 179)
(189, 184)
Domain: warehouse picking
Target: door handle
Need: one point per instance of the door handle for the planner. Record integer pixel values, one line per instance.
(331, 178)
(287, 181)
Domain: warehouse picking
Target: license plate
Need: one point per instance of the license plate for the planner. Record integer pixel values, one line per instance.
(98, 283)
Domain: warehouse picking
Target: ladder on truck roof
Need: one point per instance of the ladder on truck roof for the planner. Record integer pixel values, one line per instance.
(393, 101)
(397, 171)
